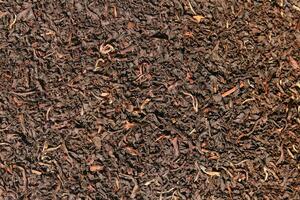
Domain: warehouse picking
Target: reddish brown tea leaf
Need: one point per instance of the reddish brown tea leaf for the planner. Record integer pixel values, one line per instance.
(95, 168)
(128, 125)
(174, 142)
(294, 63)
(132, 151)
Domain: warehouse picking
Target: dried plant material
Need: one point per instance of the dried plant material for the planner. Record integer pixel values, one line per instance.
(104, 94)
(191, 7)
(214, 84)
(36, 172)
(290, 153)
(66, 152)
(162, 137)
(132, 151)
(295, 149)
(23, 94)
(242, 162)
(189, 34)
(90, 13)
(298, 84)
(24, 177)
(192, 131)
(128, 125)
(117, 185)
(105, 49)
(127, 50)
(59, 55)
(145, 103)
(7, 169)
(22, 122)
(48, 112)
(97, 63)
(96, 168)
(174, 142)
(232, 90)
(209, 173)
(13, 22)
(97, 142)
(227, 171)
(281, 158)
(18, 102)
(52, 149)
(134, 191)
(150, 182)
(247, 100)
(130, 25)
(26, 14)
(93, 90)
(198, 18)
(2, 14)
(47, 33)
(135, 187)
(294, 63)
(296, 7)
(194, 101)
(212, 173)
(45, 147)
(115, 11)
(266, 170)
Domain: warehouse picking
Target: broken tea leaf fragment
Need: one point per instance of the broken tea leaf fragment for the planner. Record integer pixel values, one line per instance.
(294, 63)
(2, 14)
(105, 49)
(132, 151)
(174, 142)
(209, 173)
(198, 18)
(36, 172)
(97, 142)
(130, 25)
(298, 84)
(95, 168)
(128, 125)
(188, 34)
